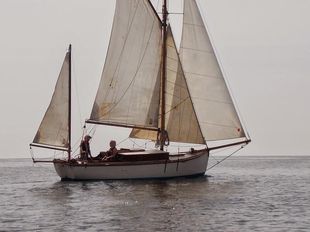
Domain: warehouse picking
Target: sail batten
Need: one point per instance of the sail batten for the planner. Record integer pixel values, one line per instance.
(212, 101)
(129, 88)
(54, 128)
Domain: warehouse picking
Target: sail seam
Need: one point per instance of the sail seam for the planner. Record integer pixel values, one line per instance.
(213, 100)
(135, 75)
(221, 125)
(193, 24)
(122, 51)
(198, 50)
(206, 76)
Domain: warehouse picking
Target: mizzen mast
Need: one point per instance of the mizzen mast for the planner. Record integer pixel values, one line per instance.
(69, 106)
(163, 74)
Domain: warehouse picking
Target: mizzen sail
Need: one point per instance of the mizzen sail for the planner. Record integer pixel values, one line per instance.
(128, 93)
(54, 129)
(213, 104)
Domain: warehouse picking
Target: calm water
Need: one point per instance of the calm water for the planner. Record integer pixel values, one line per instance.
(242, 194)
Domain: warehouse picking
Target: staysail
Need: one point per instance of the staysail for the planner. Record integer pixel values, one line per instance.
(128, 93)
(54, 128)
(213, 104)
(180, 118)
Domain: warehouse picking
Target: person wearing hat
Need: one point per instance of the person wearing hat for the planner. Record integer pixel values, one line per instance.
(85, 148)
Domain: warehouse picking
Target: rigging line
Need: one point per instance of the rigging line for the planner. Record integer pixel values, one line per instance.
(76, 91)
(135, 75)
(75, 147)
(224, 75)
(121, 141)
(174, 107)
(93, 128)
(92, 131)
(220, 150)
(196, 145)
(218, 162)
(141, 146)
(31, 154)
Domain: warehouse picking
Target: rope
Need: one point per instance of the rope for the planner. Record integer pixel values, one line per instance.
(122, 141)
(197, 145)
(50, 157)
(76, 93)
(31, 154)
(218, 162)
(140, 146)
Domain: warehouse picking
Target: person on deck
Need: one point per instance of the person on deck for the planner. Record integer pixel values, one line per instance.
(112, 152)
(85, 148)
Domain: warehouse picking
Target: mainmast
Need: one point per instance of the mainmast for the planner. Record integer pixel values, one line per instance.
(163, 75)
(69, 106)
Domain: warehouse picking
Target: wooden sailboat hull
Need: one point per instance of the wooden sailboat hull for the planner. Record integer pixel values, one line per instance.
(176, 166)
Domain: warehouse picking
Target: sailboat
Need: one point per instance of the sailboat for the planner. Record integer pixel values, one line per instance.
(163, 94)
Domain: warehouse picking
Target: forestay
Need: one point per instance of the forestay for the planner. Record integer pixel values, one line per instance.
(128, 93)
(53, 130)
(213, 104)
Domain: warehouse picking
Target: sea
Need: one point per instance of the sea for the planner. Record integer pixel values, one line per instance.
(266, 193)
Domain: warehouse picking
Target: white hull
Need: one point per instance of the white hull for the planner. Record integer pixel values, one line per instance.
(189, 165)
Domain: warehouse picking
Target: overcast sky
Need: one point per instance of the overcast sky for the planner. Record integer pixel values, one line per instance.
(263, 47)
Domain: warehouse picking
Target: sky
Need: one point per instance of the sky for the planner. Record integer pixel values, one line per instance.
(263, 47)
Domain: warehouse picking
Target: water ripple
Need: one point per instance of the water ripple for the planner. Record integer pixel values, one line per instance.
(244, 194)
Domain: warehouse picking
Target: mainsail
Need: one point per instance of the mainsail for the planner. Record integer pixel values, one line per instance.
(215, 110)
(128, 93)
(54, 128)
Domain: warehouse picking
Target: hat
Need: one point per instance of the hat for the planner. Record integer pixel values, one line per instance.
(87, 136)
